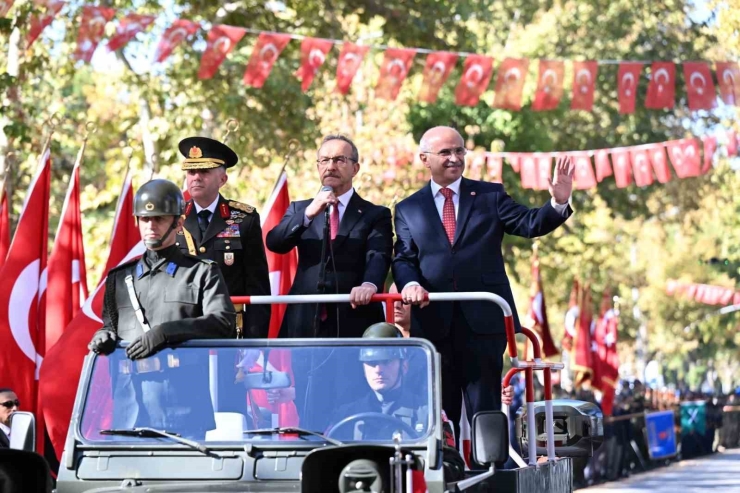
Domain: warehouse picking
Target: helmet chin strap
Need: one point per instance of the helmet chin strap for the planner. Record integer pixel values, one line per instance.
(158, 243)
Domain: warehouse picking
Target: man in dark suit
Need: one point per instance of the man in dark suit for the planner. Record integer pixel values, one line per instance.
(358, 253)
(8, 405)
(357, 259)
(449, 237)
(223, 230)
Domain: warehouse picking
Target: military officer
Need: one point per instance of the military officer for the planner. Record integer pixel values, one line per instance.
(223, 230)
(162, 298)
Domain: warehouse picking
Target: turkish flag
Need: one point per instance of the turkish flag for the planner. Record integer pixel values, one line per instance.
(91, 30)
(5, 7)
(282, 267)
(731, 143)
(684, 155)
(538, 310)
(4, 223)
(474, 162)
(264, 55)
(656, 152)
(393, 72)
(477, 71)
(728, 77)
(510, 83)
(221, 41)
(495, 167)
(67, 273)
(514, 159)
(549, 86)
(603, 168)
(528, 170)
(661, 91)
(61, 372)
(699, 86)
(628, 80)
(584, 82)
(40, 22)
(128, 28)
(437, 69)
(710, 145)
(173, 36)
(544, 171)
(22, 318)
(585, 178)
(621, 163)
(313, 56)
(348, 64)
(582, 362)
(641, 166)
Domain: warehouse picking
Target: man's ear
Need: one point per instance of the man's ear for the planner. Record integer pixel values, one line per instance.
(356, 168)
(224, 178)
(424, 158)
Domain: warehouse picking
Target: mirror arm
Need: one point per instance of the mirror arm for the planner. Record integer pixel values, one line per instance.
(467, 483)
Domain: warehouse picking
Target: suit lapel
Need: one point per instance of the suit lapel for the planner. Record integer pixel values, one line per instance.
(352, 213)
(431, 215)
(191, 224)
(467, 197)
(217, 223)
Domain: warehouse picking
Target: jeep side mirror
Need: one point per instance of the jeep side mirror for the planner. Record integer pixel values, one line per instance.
(23, 431)
(267, 380)
(490, 444)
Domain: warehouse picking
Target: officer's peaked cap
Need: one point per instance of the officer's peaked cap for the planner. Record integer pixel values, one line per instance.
(205, 153)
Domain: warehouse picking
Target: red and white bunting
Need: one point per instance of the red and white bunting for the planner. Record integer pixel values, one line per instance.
(510, 84)
(656, 152)
(584, 82)
(549, 86)
(348, 64)
(127, 29)
(603, 168)
(477, 71)
(264, 55)
(437, 70)
(699, 86)
(641, 166)
(584, 173)
(221, 41)
(628, 80)
(173, 36)
(621, 166)
(728, 77)
(313, 56)
(396, 65)
(528, 170)
(92, 28)
(661, 91)
(38, 23)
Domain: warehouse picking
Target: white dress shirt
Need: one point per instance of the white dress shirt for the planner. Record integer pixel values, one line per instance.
(211, 207)
(5, 430)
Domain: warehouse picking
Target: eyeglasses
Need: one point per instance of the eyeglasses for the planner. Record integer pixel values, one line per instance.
(447, 153)
(11, 404)
(324, 161)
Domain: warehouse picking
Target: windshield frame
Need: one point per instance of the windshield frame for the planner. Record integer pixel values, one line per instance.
(433, 368)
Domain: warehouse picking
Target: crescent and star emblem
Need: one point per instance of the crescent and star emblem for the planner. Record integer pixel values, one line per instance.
(549, 74)
(628, 80)
(661, 72)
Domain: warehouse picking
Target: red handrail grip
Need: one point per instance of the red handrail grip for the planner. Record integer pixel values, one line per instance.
(548, 384)
(241, 300)
(510, 336)
(535, 342)
(509, 375)
(529, 377)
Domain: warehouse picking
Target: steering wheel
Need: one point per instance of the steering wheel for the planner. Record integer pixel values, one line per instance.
(365, 417)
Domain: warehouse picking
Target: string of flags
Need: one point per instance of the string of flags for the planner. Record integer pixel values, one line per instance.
(703, 293)
(477, 70)
(642, 164)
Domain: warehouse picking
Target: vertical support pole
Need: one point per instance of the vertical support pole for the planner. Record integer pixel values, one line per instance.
(549, 418)
(213, 377)
(531, 426)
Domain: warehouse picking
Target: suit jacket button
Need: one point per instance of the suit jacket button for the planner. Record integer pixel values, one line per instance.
(228, 247)
(177, 243)
(202, 249)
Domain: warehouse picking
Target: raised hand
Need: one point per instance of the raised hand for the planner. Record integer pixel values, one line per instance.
(561, 185)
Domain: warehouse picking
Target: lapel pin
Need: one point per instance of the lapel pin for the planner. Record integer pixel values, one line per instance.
(359, 211)
(472, 193)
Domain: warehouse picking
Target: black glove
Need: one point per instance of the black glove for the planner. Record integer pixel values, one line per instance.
(103, 342)
(147, 344)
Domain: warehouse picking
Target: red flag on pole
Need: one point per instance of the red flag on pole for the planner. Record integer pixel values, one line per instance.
(585, 178)
(21, 296)
(477, 71)
(538, 310)
(641, 167)
(728, 77)
(662, 87)
(437, 69)
(510, 83)
(4, 223)
(528, 170)
(621, 163)
(699, 86)
(348, 64)
(603, 168)
(127, 29)
(396, 65)
(221, 41)
(549, 86)
(40, 22)
(283, 267)
(60, 374)
(627, 82)
(313, 56)
(91, 30)
(584, 82)
(264, 55)
(67, 273)
(173, 36)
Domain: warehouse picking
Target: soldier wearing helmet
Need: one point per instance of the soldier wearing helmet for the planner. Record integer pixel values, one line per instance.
(159, 299)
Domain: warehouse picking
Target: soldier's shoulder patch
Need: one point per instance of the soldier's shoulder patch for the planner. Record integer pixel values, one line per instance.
(242, 207)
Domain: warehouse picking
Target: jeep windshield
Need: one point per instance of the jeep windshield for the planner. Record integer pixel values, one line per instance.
(304, 392)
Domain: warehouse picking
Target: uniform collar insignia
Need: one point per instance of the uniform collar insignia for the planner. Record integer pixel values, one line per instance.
(139, 271)
(171, 269)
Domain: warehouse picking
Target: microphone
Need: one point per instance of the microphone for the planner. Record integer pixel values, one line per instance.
(326, 188)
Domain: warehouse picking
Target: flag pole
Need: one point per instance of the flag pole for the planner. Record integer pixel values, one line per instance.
(293, 147)
(53, 123)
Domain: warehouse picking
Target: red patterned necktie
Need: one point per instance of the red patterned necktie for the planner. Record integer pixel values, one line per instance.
(334, 221)
(448, 214)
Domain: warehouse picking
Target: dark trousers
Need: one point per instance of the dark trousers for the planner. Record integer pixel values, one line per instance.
(471, 368)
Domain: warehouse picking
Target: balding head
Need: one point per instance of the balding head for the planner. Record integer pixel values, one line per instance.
(436, 133)
(442, 150)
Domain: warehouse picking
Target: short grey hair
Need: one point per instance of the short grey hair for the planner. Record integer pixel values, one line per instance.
(355, 153)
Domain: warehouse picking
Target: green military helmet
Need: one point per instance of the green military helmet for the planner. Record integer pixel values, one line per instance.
(382, 330)
(159, 198)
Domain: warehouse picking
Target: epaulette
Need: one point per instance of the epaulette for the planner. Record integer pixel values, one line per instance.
(242, 207)
(121, 266)
(198, 259)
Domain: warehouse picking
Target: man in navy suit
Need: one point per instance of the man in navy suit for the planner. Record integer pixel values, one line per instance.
(449, 237)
